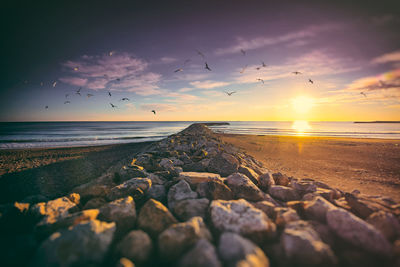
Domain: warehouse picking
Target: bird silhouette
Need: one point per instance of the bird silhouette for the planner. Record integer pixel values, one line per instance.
(89, 95)
(243, 52)
(154, 111)
(78, 92)
(310, 81)
(46, 107)
(296, 72)
(261, 80)
(66, 95)
(207, 67)
(263, 64)
(54, 84)
(124, 99)
(200, 54)
(230, 93)
(109, 93)
(118, 79)
(258, 68)
(242, 71)
(113, 106)
(178, 70)
(363, 94)
(67, 102)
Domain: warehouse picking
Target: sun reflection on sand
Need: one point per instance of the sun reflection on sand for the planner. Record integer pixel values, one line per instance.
(301, 127)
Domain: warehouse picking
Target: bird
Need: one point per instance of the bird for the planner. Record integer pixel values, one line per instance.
(54, 84)
(263, 64)
(67, 102)
(178, 70)
(296, 72)
(46, 107)
(200, 54)
(113, 106)
(109, 93)
(242, 71)
(310, 81)
(118, 79)
(66, 95)
(89, 95)
(243, 52)
(154, 111)
(207, 67)
(363, 94)
(261, 80)
(230, 93)
(78, 92)
(110, 53)
(76, 68)
(124, 99)
(258, 68)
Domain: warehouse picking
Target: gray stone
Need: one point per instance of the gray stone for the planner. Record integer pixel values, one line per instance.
(243, 187)
(157, 192)
(214, 190)
(203, 254)
(132, 187)
(280, 179)
(94, 203)
(194, 178)
(284, 216)
(304, 186)
(53, 210)
(135, 246)
(188, 208)
(178, 192)
(283, 193)
(317, 209)
(122, 211)
(387, 223)
(265, 181)
(223, 164)
(251, 174)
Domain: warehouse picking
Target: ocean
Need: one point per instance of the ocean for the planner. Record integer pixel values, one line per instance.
(67, 134)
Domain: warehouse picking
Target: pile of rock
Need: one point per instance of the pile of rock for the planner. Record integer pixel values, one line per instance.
(192, 200)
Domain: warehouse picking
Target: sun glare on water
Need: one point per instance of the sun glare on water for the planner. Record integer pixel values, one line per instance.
(302, 104)
(301, 126)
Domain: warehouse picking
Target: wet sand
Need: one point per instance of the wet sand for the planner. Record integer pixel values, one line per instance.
(369, 165)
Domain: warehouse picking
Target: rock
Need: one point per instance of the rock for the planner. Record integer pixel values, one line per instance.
(363, 207)
(156, 179)
(357, 232)
(154, 218)
(265, 181)
(243, 187)
(166, 163)
(284, 216)
(385, 222)
(157, 192)
(84, 244)
(129, 172)
(53, 210)
(75, 198)
(188, 208)
(251, 174)
(328, 194)
(124, 262)
(132, 187)
(135, 246)
(241, 217)
(223, 164)
(317, 209)
(43, 230)
(121, 211)
(267, 207)
(235, 250)
(304, 186)
(94, 203)
(88, 191)
(280, 179)
(180, 237)
(324, 232)
(178, 192)
(203, 254)
(283, 193)
(214, 190)
(194, 178)
(33, 199)
(302, 246)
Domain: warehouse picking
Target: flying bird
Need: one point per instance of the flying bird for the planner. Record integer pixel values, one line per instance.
(66, 95)
(263, 64)
(242, 71)
(154, 111)
(113, 106)
(89, 95)
(178, 70)
(363, 94)
(230, 93)
(67, 102)
(243, 52)
(78, 92)
(261, 80)
(207, 67)
(200, 54)
(258, 68)
(124, 99)
(46, 107)
(296, 72)
(310, 81)
(54, 84)
(118, 79)
(109, 93)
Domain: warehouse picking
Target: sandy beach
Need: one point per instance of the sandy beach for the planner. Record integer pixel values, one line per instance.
(369, 165)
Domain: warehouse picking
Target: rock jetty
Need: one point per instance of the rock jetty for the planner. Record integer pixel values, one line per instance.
(193, 200)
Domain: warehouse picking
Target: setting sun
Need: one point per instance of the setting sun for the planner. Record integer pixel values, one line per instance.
(302, 104)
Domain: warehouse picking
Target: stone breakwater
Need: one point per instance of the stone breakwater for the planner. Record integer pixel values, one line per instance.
(192, 200)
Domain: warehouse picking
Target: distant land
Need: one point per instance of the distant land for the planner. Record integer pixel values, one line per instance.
(377, 122)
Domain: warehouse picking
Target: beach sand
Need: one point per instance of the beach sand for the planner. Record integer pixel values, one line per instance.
(369, 165)
(53, 172)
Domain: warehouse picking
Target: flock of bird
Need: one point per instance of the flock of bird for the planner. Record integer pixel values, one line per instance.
(181, 69)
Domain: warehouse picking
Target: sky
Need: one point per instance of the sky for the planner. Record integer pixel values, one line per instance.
(348, 56)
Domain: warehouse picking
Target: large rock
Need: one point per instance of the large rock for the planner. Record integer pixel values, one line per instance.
(317, 209)
(53, 210)
(194, 178)
(265, 180)
(132, 187)
(284, 193)
(203, 254)
(178, 192)
(122, 211)
(243, 187)
(251, 174)
(136, 246)
(180, 237)
(387, 223)
(84, 244)
(363, 206)
(94, 203)
(241, 217)
(214, 190)
(157, 192)
(235, 250)
(284, 216)
(188, 208)
(302, 246)
(357, 232)
(304, 186)
(223, 164)
(154, 218)
(280, 179)
(267, 207)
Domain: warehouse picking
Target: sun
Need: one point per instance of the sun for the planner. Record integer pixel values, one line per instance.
(302, 104)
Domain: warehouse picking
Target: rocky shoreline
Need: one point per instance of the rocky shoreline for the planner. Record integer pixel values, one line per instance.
(192, 200)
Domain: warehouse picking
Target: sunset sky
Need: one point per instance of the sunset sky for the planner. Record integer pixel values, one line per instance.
(351, 52)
